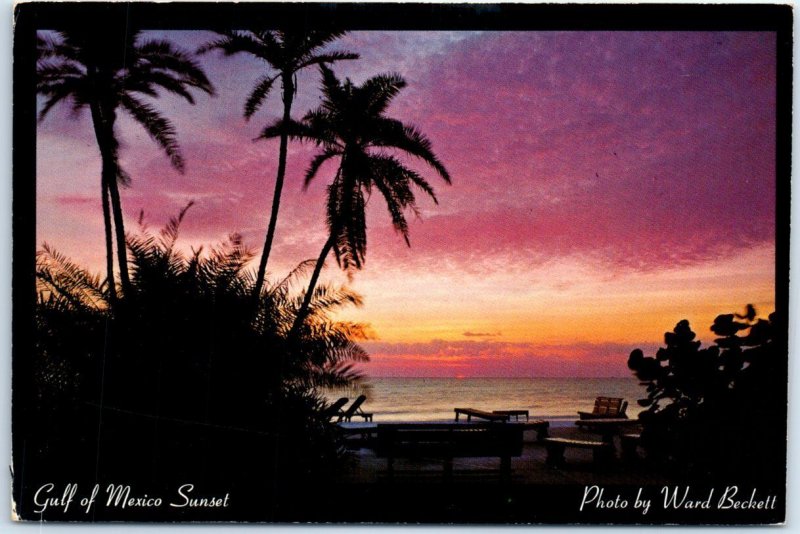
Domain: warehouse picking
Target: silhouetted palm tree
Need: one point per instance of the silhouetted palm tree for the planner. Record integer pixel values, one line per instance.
(285, 52)
(106, 67)
(351, 125)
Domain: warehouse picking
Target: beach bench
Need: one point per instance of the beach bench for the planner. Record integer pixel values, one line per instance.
(481, 414)
(514, 413)
(601, 450)
(607, 408)
(355, 409)
(446, 441)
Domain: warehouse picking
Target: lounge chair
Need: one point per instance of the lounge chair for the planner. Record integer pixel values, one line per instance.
(355, 409)
(334, 409)
(607, 408)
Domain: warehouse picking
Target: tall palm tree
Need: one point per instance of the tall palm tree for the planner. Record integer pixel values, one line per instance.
(350, 125)
(106, 67)
(285, 52)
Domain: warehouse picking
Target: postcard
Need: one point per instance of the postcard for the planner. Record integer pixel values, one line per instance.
(401, 263)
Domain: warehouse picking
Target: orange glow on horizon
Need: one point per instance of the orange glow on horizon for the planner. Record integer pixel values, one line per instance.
(630, 307)
(549, 329)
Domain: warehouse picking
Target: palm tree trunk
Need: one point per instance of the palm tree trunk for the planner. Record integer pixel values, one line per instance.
(303, 312)
(288, 95)
(119, 228)
(112, 286)
(107, 174)
(103, 123)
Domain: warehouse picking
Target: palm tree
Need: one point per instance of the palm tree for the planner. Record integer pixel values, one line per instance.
(285, 52)
(350, 125)
(105, 68)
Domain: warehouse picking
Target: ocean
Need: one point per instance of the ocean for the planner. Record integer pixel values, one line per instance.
(433, 399)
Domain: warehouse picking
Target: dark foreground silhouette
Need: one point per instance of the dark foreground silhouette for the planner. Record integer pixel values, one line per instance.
(719, 412)
(189, 400)
(186, 379)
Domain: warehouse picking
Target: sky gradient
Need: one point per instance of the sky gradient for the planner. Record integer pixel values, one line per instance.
(606, 185)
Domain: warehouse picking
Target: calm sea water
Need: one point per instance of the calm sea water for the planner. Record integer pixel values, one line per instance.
(433, 399)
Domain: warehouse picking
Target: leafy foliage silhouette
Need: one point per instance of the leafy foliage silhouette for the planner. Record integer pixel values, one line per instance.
(715, 411)
(187, 379)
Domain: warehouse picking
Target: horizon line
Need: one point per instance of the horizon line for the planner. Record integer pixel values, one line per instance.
(509, 377)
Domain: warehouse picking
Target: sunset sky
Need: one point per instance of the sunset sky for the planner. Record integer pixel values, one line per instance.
(605, 186)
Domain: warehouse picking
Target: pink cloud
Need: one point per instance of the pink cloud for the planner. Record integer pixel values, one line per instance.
(632, 151)
(76, 200)
(638, 150)
(481, 334)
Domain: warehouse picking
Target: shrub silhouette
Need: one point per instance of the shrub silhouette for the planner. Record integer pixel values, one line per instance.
(716, 411)
(187, 378)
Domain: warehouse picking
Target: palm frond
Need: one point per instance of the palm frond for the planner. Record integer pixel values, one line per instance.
(392, 181)
(349, 231)
(50, 70)
(235, 42)
(64, 279)
(377, 92)
(389, 166)
(55, 93)
(164, 58)
(160, 129)
(393, 134)
(225, 266)
(145, 82)
(306, 42)
(321, 128)
(45, 45)
(327, 299)
(295, 130)
(329, 57)
(169, 234)
(316, 163)
(299, 271)
(257, 95)
(55, 44)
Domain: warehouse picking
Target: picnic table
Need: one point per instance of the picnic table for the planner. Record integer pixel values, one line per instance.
(446, 441)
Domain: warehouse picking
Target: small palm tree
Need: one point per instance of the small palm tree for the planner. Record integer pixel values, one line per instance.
(350, 125)
(193, 353)
(217, 285)
(285, 52)
(179, 295)
(105, 68)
